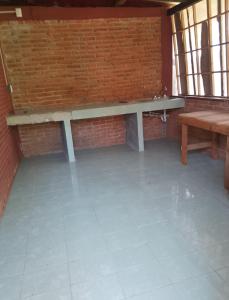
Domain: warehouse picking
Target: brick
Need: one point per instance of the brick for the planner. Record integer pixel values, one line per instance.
(9, 150)
(67, 63)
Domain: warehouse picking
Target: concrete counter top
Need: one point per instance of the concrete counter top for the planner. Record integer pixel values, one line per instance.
(133, 113)
(93, 111)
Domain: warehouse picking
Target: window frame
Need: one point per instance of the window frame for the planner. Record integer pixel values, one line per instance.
(192, 51)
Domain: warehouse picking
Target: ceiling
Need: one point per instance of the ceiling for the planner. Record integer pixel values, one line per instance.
(93, 3)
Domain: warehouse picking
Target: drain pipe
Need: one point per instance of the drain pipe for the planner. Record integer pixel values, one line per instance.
(164, 116)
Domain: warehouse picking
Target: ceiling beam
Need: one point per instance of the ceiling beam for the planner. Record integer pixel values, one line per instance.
(120, 2)
(181, 6)
(167, 1)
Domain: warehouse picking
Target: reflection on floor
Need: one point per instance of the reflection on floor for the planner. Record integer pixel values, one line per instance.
(117, 225)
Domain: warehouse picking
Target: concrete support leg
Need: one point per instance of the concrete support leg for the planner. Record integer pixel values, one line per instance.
(68, 140)
(134, 131)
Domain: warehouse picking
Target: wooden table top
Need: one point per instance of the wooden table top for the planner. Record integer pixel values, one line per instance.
(221, 127)
(216, 121)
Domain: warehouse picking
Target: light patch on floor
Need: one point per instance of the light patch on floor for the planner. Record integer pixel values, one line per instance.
(117, 225)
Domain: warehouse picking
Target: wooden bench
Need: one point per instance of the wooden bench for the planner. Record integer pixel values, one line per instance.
(216, 122)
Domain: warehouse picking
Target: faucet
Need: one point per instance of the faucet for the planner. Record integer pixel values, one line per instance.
(164, 93)
(161, 95)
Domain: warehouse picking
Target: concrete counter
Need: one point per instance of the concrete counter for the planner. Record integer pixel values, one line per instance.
(132, 110)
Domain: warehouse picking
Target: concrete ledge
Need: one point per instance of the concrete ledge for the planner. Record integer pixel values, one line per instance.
(133, 112)
(97, 111)
(37, 118)
(162, 104)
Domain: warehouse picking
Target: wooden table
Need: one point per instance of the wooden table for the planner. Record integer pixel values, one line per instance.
(216, 122)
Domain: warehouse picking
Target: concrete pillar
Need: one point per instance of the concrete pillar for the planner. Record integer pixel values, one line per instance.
(134, 131)
(69, 140)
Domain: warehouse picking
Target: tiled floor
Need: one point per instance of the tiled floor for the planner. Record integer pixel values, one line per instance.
(117, 225)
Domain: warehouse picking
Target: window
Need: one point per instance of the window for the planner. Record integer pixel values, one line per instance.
(201, 49)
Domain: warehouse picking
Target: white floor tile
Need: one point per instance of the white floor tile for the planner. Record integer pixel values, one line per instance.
(120, 225)
(50, 279)
(224, 273)
(10, 288)
(11, 266)
(134, 256)
(103, 288)
(125, 239)
(183, 267)
(210, 287)
(86, 246)
(217, 256)
(65, 294)
(165, 293)
(88, 268)
(142, 278)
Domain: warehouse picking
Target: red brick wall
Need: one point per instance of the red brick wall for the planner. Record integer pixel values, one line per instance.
(9, 154)
(153, 128)
(101, 132)
(173, 128)
(41, 139)
(59, 64)
(67, 63)
(201, 104)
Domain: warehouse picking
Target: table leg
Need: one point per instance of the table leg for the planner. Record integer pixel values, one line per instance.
(214, 152)
(184, 144)
(226, 166)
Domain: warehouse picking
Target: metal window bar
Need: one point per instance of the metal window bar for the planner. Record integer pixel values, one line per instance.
(178, 53)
